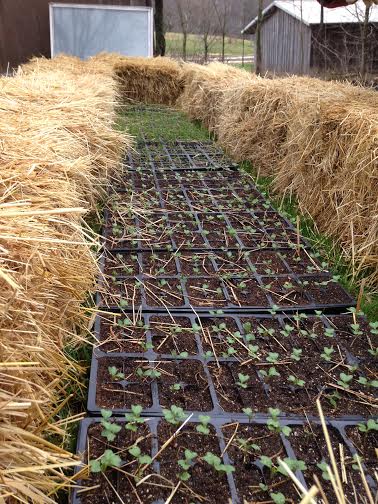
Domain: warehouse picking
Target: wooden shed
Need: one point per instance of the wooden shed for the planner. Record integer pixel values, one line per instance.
(294, 41)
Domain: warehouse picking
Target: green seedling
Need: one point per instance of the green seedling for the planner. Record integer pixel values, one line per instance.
(110, 429)
(371, 425)
(216, 462)
(296, 354)
(273, 357)
(271, 373)
(181, 355)
(277, 497)
(324, 467)
(175, 415)
(186, 463)
(293, 465)
(242, 380)
(344, 380)
(107, 459)
(364, 381)
(249, 412)
(203, 425)
(373, 327)
(356, 329)
(329, 332)
(134, 418)
(246, 446)
(296, 381)
(123, 303)
(327, 353)
(288, 329)
(140, 457)
(373, 351)
(176, 387)
(115, 374)
(148, 373)
(273, 422)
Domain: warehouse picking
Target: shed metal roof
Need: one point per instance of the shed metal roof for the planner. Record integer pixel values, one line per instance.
(308, 11)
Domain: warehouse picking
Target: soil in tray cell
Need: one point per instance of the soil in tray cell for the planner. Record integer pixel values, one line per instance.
(232, 263)
(247, 445)
(285, 291)
(300, 262)
(163, 292)
(204, 480)
(198, 264)
(221, 337)
(308, 443)
(109, 486)
(183, 383)
(234, 395)
(246, 292)
(121, 264)
(189, 239)
(205, 292)
(324, 290)
(121, 385)
(121, 292)
(122, 334)
(159, 264)
(267, 263)
(173, 336)
(365, 440)
(357, 335)
(221, 239)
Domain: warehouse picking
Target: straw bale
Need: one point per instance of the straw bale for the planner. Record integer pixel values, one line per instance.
(154, 80)
(204, 87)
(58, 147)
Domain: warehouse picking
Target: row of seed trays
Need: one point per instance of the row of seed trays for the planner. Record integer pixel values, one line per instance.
(219, 334)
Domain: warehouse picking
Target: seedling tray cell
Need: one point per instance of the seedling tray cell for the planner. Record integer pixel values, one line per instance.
(195, 362)
(251, 479)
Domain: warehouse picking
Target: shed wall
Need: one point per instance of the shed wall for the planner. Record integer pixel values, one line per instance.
(286, 44)
(25, 30)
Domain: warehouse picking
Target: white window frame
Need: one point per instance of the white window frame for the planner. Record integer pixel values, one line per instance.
(149, 10)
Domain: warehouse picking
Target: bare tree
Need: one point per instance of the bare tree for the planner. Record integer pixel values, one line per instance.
(222, 10)
(364, 42)
(184, 13)
(206, 25)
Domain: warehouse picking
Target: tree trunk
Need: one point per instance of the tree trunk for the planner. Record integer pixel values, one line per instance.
(258, 39)
(364, 43)
(223, 42)
(206, 47)
(159, 29)
(184, 40)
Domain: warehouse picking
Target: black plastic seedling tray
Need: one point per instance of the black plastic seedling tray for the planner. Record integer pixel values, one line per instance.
(177, 156)
(230, 485)
(237, 294)
(197, 370)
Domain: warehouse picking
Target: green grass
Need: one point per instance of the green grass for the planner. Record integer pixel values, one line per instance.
(194, 45)
(248, 67)
(160, 123)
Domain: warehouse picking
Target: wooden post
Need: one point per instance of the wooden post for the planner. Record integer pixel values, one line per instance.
(159, 29)
(258, 39)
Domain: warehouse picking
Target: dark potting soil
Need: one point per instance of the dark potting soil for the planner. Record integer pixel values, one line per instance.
(246, 292)
(205, 292)
(204, 480)
(246, 444)
(121, 393)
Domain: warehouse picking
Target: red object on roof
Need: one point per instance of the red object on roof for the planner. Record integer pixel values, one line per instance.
(332, 4)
